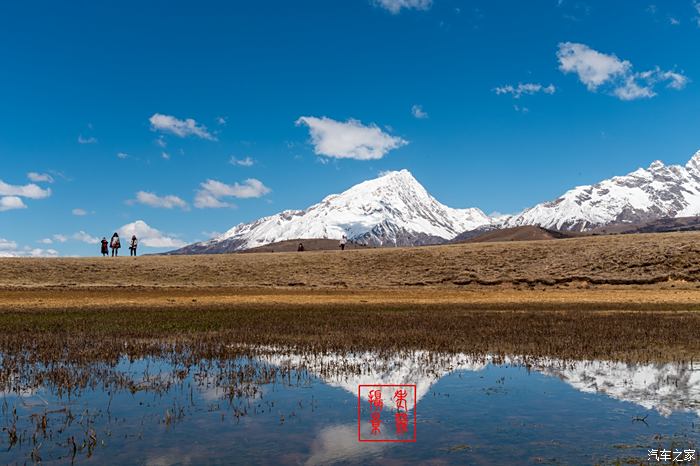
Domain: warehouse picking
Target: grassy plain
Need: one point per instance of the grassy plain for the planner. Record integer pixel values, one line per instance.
(633, 297)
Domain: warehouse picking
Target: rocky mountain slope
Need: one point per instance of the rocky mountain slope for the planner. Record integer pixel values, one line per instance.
(391, 210)
(659, 191)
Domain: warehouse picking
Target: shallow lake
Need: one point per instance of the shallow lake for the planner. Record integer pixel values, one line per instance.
(280, 407)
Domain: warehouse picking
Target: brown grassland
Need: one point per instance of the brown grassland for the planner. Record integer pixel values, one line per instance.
(628, 297)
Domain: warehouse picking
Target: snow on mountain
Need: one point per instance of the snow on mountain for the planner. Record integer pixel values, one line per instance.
(393, 209)
(659, 191)
(665, 388)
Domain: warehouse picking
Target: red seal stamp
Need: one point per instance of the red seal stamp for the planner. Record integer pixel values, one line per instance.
(386, 413)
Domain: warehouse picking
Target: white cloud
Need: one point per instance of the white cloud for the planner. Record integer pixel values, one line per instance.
(163, 202)
(60, 238)
(525, 89)
(221, 120)
(418, 112)
(79, 212)
(11, 203)
(45, 241)
(161, 142)
(40, 177)
(31, 191)
(246, 162)
(86, 140)
(697, 8)
(165, 155)
(592, 67)
(181, 128)
(673, 21)
(122, 155)
(38, 252)
(350, 139)
(206, 200)
(395, 6)
(596, 70)
(85, 237)
(6, 244)
(211, 192)
(149, 236)
(10, 249)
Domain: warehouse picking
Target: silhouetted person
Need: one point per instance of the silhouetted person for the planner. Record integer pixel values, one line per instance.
(300, 248)
(115, 244)
(105, 247)
(133, 245)
(343, 242)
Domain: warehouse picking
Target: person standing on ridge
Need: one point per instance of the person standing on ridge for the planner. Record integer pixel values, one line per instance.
(133, 245)
(300, 248)
(343, 242)
(115, 244)
(105, 247)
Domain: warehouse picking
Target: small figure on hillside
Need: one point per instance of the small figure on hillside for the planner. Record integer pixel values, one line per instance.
(300, 248)
(133, 245)
(115, 244)
(343, 242)
(105, 247)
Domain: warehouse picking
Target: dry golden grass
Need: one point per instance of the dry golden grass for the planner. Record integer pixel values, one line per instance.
(617, 260)
(628, 297)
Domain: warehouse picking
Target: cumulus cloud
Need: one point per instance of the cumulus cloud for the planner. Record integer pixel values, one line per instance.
(163, 202)
(181, 128)
(418, 112)
(598, 70)
(31, 191)
(206, 200)
(40, 177)
(11, 249)
(149, 236)
(395, 6)
(86, 140)
(11, 203)
(79, 212)
(60, 238)
(246, 162)
(525, 89)
(85, 237)
(350, 139)
(212, 191)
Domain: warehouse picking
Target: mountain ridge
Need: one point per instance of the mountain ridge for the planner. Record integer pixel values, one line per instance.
(645, 194)
(393, 209)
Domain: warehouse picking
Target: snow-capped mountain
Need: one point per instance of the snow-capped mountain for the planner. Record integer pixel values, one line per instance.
(391, 210)
(660, 191)
(666, 388)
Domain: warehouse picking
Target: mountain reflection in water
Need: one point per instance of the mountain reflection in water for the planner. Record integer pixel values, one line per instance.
(278, 405)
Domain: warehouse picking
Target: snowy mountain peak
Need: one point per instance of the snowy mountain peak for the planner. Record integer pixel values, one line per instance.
(694, 163)
(660, 191)
(393, 209)
(656, 165)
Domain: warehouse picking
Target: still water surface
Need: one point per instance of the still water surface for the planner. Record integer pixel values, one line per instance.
(286, 408)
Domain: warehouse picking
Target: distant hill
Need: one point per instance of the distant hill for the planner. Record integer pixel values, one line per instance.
(309, 245)
(523, 233)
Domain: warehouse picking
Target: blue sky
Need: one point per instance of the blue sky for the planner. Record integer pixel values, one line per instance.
(195, 116)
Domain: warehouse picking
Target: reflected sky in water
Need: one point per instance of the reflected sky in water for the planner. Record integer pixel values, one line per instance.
(288, 408)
